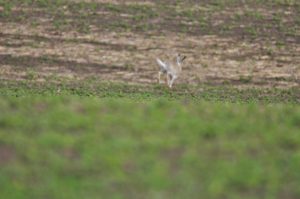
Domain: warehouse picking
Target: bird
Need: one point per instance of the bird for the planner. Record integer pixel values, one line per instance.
(170, 68)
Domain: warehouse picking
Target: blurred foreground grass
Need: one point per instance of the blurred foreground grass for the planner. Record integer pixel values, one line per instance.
(85, 146)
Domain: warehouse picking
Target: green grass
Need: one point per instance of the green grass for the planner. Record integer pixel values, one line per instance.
(94, 88)
(122, 141)
(70, 147)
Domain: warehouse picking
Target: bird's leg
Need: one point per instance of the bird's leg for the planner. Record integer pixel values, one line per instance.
(168, 79)
(159, 75)
(172, 80)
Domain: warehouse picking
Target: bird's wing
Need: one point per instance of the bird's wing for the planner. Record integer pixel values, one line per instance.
(162, 64)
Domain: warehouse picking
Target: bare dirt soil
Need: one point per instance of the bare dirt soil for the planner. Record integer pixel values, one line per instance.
(243, 44)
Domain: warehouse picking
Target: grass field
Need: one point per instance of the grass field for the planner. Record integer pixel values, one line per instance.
(82, 115)
(113, 140)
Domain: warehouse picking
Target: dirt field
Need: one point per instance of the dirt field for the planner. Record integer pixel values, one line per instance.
(254, 43)
(82, 114)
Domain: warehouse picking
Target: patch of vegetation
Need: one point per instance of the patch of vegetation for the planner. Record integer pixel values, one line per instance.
(95, 88)
(66, 142)
(245, 79)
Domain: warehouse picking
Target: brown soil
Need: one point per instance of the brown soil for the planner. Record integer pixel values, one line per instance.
(32, 47)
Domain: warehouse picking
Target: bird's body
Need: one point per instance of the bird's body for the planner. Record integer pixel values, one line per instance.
(171, 69)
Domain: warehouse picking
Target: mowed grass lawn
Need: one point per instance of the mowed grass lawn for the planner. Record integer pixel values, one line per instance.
(69, 145)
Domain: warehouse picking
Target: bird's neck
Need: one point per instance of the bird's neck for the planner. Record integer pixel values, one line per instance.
(179, 65)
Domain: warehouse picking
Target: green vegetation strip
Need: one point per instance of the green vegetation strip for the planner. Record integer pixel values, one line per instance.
(188, 93)
(71, 147)
(80, 144)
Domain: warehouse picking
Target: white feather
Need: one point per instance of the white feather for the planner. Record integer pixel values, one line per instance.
(162, 64)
